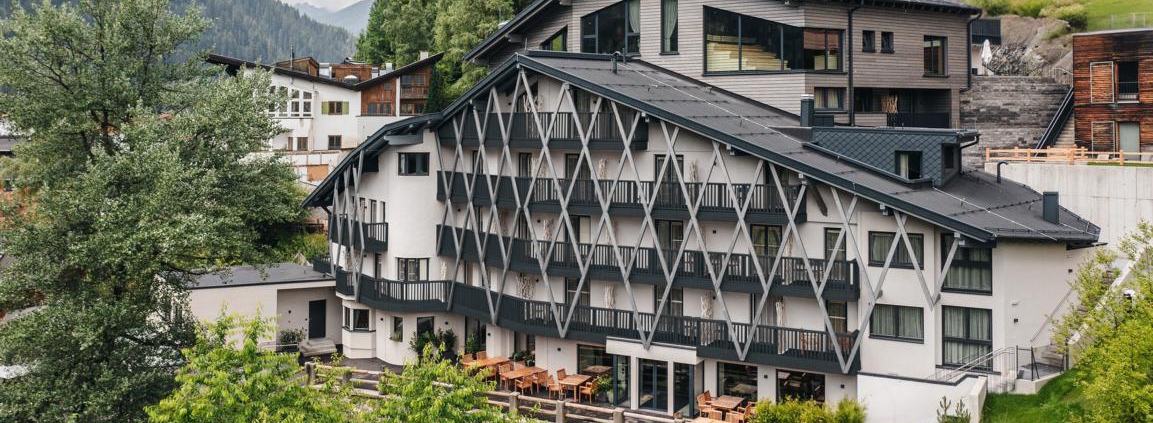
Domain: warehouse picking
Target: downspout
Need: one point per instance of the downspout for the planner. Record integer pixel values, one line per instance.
(969, 50)
(849, 95)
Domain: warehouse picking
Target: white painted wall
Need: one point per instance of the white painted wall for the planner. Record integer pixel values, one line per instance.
(1115, 198)
(890, 400)
(288, 303)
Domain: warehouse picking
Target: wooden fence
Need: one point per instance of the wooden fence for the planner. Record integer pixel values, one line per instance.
(1066, 155)
(540, 408)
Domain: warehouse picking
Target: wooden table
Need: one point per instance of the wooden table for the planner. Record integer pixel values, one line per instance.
(574, 382)
(597, 370)
(488, 362)
(519, 373)
(727, 403)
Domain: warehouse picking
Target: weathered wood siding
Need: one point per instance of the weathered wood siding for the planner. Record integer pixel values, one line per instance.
(1097, 110)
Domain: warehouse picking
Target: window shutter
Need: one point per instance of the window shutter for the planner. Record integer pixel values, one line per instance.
(1101, 82)
(324, 108)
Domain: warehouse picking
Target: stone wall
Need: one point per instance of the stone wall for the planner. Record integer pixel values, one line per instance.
(1009, 111)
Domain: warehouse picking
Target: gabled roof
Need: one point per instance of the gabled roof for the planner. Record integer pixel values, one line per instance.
(538, 7)
(233, 62)
(972, 204)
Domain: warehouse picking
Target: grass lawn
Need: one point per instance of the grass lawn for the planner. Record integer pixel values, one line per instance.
(1056, 402)
(1101, 10)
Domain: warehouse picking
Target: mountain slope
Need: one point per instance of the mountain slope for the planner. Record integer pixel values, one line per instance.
(352, 18)
(258, 30)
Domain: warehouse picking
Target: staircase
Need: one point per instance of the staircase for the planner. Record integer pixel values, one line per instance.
(1010, 112)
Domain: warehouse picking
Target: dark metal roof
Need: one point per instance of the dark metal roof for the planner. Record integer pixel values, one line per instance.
(371, 147)
(969, 204)
(250, 276)
(538, 7)
(238, 63)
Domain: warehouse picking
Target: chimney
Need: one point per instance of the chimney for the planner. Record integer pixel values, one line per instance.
(807, 105)
(1051, 207)
(423, 55)
(388, 67)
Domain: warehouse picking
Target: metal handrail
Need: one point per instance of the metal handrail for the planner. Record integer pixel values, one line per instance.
(1058, 122)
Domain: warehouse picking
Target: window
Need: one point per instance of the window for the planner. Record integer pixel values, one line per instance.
(377, 266)
(557, 42)
(766, 241)
(670, 236)
(676, 304)
(397, 329)
(356, 319)
(425, 325)
(935, 54)
(669, 26)
(380, 109)
(829, 98)
(334, 142)
(589, 355)
(868, 41)
(297, 103)
(971, 270)
(880, 242)
(411, 109)
(524, 165)
(887, 42)
(831, 235)
(737, 380)
(838, 315)
(908, 164)
(582, 298)
(1127, 81)
(966, 335)
(897, 322)
(413, 164)
(412, 269)
(301, 143)
(612, 29)
(334, 108)
(801, 386)
(949, 155)
(739, 43)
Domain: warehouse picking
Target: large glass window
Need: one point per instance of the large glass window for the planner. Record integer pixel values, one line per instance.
(935, 54)
(669, 26)
(971, 269)
(676, 304)
(413, 164)
(590, 355)
(766, 241)
(897, 322)
(425, 325)
(412, 269)
(735, 42)
(737, 380)
(829, 98)
(612, 29)
(966, 335)
(356, 319)
(557, 42)
(800, 385)
(880, 242)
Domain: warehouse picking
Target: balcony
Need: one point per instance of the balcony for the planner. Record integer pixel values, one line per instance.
(772, 345)
(669, 200)
(738, 274)
(413, 91)
(919, 120)
(1127, 90)
(344, 282)
(349, 232)
(605, 134)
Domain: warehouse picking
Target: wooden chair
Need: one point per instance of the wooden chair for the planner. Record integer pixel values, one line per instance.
(517, 365)
(586, 390)
(561, 374)
(524, 384)
(707, 410)
(541, 379)
(467, 358)
(503, 370)
(481, 355)
(554, 387)
(741, 414)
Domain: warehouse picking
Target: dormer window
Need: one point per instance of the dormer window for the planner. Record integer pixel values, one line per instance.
(909, 164)
(612, 29)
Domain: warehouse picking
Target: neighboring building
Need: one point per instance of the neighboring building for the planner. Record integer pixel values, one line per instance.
(983, 30)
(333, 107)
(1113, 90)
(297, 296)
(694, 239)
(905, 66)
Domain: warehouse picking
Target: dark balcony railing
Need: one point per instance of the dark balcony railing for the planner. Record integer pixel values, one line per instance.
(322, 265)
(1127, 90)
(791, 277)
(344, 282)
(919, 120)
(559, 127)
(348, 233)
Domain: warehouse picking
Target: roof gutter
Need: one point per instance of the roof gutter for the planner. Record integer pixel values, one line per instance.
(850, 94)
(968, 54)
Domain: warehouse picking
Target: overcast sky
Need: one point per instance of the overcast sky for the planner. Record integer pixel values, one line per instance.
(327, 4)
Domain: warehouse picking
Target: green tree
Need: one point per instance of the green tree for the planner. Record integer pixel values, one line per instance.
(138, 176)
(230, 378)
(1108, 332)
(460, 27)
(432, 390)
(397, 31)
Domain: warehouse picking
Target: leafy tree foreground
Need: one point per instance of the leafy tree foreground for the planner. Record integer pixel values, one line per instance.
(135, 173)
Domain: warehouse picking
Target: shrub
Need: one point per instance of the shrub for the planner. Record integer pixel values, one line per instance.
(958, 415)
(994, 7)
(292, 336)
(1074, 14)
(794, 411)
(848, 411)
(1030, 8)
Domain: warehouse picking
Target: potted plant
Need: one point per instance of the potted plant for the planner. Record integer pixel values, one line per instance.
(529, 359)
(290, 339)
(603, 384)
(471, 344)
